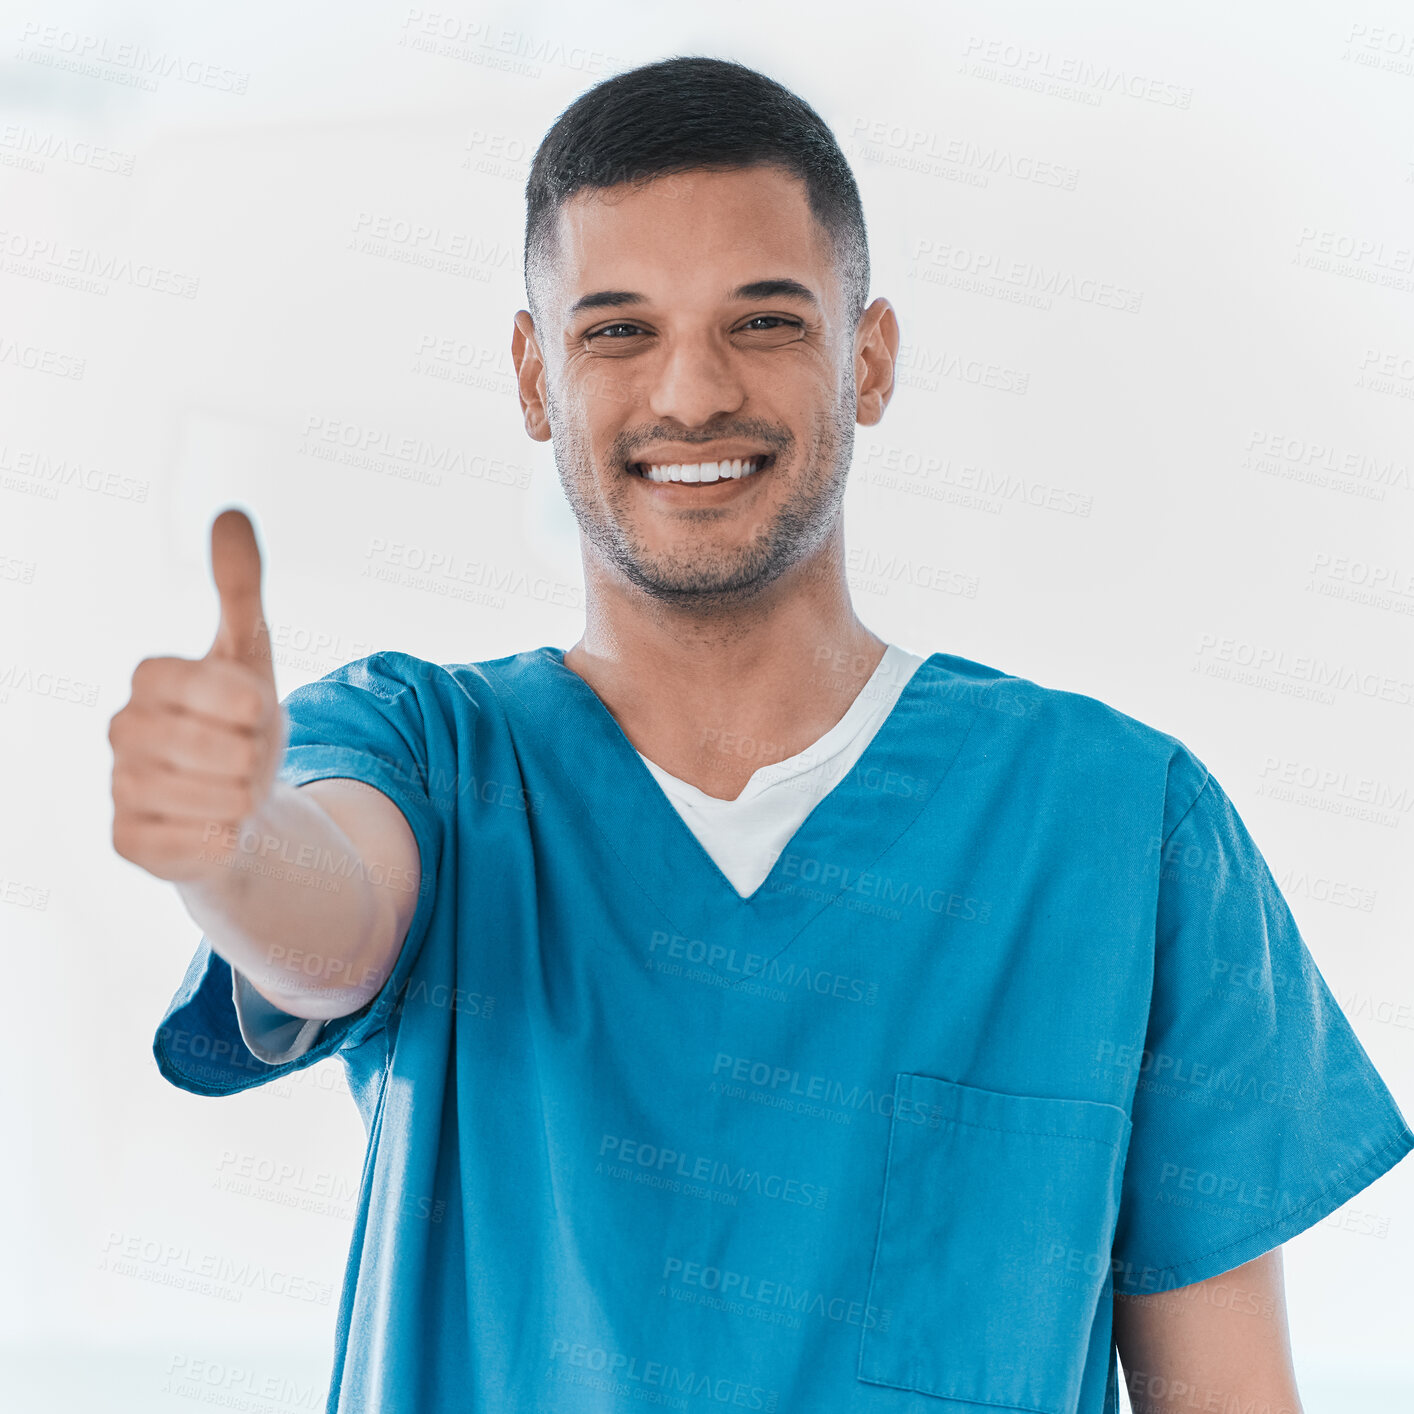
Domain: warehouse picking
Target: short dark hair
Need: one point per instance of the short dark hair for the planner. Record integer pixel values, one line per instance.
(691, 112)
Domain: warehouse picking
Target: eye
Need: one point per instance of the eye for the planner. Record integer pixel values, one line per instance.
(622, 324)
(774, 319)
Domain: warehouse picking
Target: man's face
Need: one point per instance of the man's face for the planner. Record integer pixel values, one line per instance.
(669, 337)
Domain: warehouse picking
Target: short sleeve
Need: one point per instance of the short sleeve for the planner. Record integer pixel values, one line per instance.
(363, 722)
(1256, 1110)
(271, 1034)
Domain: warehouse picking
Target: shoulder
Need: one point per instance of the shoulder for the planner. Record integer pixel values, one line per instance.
(419, 696)
(389, 672)
(384, 671)
(1063, 728)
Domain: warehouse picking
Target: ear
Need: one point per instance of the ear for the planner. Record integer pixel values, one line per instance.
(875, 353)
(530, 376)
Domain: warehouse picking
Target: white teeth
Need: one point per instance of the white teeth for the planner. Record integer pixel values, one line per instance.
(706, 471)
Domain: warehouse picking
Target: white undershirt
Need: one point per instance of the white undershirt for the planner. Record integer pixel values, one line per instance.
(744, 836)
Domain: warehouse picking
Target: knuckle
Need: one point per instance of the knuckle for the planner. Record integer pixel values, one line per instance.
(125, 840)
(146, 674)
(124, 735)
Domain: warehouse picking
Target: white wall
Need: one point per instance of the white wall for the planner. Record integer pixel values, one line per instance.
(1230, 463)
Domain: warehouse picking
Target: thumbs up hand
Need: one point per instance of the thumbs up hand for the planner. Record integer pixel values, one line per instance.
(197, 747)
(241, 635)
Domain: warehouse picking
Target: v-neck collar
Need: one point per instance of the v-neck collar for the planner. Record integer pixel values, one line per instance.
(824, 749)
(842, 838)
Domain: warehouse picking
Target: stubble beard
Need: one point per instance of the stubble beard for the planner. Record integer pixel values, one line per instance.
(699, 572)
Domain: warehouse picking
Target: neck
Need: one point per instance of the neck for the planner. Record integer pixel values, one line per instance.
(713, 696)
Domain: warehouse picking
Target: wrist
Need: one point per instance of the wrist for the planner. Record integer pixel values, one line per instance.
(232, 855)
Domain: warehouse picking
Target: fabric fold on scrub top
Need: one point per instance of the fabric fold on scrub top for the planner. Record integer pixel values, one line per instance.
(1017, 1019)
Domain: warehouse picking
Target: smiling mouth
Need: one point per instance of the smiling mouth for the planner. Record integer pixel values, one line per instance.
(702, 473)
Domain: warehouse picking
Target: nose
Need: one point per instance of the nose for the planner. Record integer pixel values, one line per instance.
(696, 382)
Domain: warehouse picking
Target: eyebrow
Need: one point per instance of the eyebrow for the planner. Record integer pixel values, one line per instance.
(782, 288)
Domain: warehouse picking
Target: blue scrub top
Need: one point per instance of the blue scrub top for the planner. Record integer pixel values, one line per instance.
(1018, 1020)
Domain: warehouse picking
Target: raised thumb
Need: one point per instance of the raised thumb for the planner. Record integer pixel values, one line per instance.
(241, 635)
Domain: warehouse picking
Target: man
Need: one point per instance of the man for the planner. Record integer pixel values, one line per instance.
(911, 1057)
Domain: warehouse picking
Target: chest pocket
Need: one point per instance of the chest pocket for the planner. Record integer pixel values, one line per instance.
(993, 1243)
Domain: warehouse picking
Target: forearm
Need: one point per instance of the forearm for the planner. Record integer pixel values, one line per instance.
(1217, 1344)
(293, 906)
